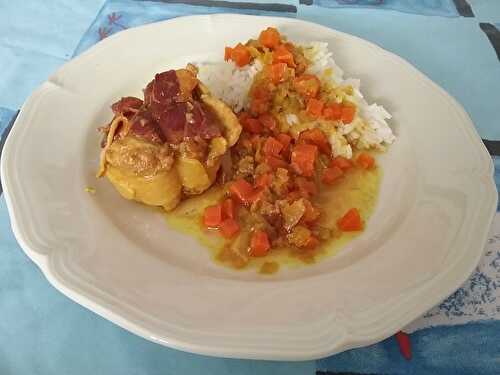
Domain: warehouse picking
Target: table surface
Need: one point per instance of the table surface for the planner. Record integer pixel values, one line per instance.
(454, 42)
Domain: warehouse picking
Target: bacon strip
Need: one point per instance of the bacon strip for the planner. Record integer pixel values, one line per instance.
(144, 126)
(169, 112)
(127, 106)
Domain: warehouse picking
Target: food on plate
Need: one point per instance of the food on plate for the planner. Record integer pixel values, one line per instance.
(308, 140)
(169, 145)
(271, 150)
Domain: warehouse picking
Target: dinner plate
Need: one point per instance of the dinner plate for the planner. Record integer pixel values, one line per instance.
(122, 261)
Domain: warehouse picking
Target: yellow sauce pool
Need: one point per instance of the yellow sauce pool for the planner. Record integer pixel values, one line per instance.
(358, 188)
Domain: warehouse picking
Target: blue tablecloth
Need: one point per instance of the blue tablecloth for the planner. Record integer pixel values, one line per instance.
(455, 42)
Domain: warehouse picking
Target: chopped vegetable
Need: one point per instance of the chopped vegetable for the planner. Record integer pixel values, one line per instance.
(351, 221)
(300, 236)
(240, 55)
(284, 139)
(303, 159)
(275, 162)
(317, 137)
(272, 147)
(348, 114)
(259, 106)
(212, 216)
(270, 38)
(243, 116)
(292, 213)
(259, 244)
(253, 125)
(276, 72)
(261, 95)
(314, 107)
(341, 163)
(280, 181)
(307, 85)
(227, 53)
(242, 190)
(365, 161)
(332, 111)
(282, 55)
(228, 209)
(331, 175)
(311, 213)
(229, 228)
(261, 91)
(268, 121)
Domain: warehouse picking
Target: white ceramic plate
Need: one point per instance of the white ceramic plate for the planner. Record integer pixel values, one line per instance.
(122, 261)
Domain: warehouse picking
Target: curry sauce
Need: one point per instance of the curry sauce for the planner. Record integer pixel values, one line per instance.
(358, 188)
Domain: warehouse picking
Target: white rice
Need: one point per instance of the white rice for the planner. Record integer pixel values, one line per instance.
(228, 82)
(369, 129)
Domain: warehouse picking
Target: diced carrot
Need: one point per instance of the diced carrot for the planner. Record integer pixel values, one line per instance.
(311, 214)
(227, 53)
(331, 175)
(341, 162)
(307, 188)
(276, 72)
(242, 190)
(261, 95)
(317, 137)
(307, 85)
(351, 221)
(303, 159)
(240, 55)
(312, 243)
(272, 147)
(229, 228)
(228, 209)
(275, 162)
(332, 111)
(284, 139)
(270, 38)
(263, 180)
(365, 161)
(258, 106)
(268, 121)
(261, 91)
(348, 112)
(315, 107)
(282, 55)
(243, 116)
(259, 244)
(212, 216)
(252, 125)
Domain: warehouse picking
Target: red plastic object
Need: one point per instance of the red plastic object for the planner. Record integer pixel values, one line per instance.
(404, 343)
